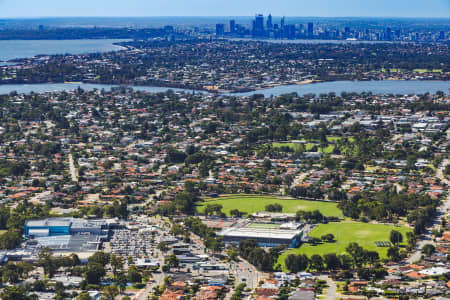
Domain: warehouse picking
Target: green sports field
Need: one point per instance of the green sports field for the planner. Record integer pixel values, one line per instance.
(347, 232)
(310, 144)
(254, 203)
(308, 147)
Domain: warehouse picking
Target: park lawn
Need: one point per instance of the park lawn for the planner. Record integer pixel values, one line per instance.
(427, 71)
(364, 234)
(308, 147)
(255, 203)
(290, 145)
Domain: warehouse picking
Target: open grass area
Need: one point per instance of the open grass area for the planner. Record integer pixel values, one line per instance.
(254, 203)
(345, 233)
(308, 145)
(428, 71)
(421, 71)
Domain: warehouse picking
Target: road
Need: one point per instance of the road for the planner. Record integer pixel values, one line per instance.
(158, 278)
(73, 170)
(300, 177)
(147, 291)
(297, 180)
(427, 237)
(331, 294)
(246, 273)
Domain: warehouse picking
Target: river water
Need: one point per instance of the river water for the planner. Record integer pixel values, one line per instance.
(395, 87)
(13, 49)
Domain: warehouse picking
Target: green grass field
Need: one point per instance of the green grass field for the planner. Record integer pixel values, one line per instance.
(254, 203)
(347, 232)
(310, 144)
(308, 147)
(426, 71)
(421, 71)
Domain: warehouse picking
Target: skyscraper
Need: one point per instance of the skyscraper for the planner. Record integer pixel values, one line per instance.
(258, 25)
(388, 33)
(232, 26)
(282, 22)
(310, 29)
(269, 22)
(220, 29)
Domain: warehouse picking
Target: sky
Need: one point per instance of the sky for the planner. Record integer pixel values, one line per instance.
(143, 8)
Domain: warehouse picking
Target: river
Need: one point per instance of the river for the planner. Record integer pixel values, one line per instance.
(13, 49)
(395, 87)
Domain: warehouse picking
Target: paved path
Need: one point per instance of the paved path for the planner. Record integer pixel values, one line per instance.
(300, 177)
(331, 294)
(73, 170)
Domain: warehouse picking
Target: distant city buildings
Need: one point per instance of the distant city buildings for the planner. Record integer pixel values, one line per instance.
(220, 29)
(269, 28)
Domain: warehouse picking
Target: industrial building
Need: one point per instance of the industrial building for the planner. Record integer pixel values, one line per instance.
(64, 226)
(266, 237)
(67, 234)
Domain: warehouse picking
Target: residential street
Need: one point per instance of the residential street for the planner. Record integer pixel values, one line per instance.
(73, 170)
(441, 211)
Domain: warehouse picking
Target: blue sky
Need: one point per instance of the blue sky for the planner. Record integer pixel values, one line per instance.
(326, 8)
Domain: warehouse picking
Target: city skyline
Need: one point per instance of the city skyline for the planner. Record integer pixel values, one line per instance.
(139, 8)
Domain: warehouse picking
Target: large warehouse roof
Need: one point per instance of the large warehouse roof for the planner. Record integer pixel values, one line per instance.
(49, 222)
(256, 233)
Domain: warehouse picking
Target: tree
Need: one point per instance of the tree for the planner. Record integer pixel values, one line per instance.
(10, 273)
(428, 249)
(316, 262)
(172, 261)
(15, 293)
(393, 253)
(332, 261)
(121, 281)
(356, 252)
(46, 261)
(39, 286)
(110, 292)
(296, 263)
(396, 237)
(236, 213)
(214, 244)
(10, 240)
(346, 261)
(274, 207)
(233, 255)
(163, 247)
(372, 257)
(184, 202)
(94, 273)
(84, 296)
(116, 263)
(327, 237)
(99, 257)
(25, 268)
(411, 240)
(134, 275)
